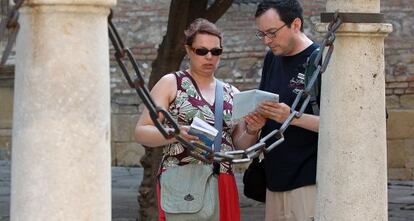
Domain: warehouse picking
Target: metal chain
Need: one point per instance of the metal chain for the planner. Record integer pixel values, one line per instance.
(200, 151)
(10, 22)
(160, 116)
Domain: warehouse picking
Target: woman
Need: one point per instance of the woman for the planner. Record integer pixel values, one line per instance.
(190, 93)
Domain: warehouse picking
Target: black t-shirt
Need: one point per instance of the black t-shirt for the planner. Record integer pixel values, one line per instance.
(291, 164)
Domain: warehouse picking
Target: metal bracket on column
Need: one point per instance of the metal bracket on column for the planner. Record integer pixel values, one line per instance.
(348, 17)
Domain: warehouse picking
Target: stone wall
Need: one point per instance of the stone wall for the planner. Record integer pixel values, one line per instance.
(399, 69)
(143, 23)
(6, 111)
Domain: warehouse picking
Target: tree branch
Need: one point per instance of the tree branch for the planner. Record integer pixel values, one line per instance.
(217, 9)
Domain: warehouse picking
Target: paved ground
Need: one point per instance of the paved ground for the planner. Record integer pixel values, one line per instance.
(125, 182)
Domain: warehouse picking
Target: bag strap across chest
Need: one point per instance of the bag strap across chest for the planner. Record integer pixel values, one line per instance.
(218, 114)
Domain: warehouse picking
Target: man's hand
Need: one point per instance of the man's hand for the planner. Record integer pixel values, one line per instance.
(278, 112)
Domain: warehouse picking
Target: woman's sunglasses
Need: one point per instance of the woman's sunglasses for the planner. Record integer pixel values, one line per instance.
(204, 51)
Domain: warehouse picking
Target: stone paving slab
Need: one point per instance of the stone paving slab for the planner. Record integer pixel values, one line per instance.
(125, 182)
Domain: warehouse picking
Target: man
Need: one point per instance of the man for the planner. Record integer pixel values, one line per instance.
(290, 167)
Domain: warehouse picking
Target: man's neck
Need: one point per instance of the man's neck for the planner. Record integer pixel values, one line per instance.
(301, 43)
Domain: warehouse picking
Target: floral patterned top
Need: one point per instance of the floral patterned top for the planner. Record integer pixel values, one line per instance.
(188, 104)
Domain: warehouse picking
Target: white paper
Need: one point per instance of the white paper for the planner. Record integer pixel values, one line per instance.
(247, 101)
(198, 123)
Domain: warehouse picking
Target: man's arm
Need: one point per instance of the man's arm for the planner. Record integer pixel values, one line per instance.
(279, 112)
(307, 121)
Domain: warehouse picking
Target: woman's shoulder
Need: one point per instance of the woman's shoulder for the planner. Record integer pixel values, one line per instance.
(230, 87)
(166, 86)
(169, 77)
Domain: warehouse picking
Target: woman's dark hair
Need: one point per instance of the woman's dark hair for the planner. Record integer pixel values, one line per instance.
(288, 10)
(200, 26)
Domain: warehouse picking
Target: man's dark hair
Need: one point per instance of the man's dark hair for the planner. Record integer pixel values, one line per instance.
(288, 10)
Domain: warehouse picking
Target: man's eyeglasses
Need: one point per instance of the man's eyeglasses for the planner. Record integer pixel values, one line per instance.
(270, 34)
(204, 51)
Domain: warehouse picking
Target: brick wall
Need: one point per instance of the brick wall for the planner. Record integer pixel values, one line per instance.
(6, 110)
(399, 69)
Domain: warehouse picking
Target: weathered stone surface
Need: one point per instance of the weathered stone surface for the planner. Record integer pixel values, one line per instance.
(5, 153)
(5, 144)
(122, 127)
(400, 173)
(407, 101)
(128, 154)
(409, 151)
(409, 146)
(397, 85)
(61, 132)
(124, 109)
(5, 132)
(132, 125)
(223, 72)
(396, 155)
(400, 124)
(246, 64)
(6, 107)
(393, 102)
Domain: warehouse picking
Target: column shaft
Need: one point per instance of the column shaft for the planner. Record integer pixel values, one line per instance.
(61, 120)
(352, 163)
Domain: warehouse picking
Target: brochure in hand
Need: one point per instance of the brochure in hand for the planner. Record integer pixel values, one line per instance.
(247, 101)
(204, 131)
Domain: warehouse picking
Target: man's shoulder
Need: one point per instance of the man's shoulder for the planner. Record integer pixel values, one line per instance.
(269, 55)
(313, 47)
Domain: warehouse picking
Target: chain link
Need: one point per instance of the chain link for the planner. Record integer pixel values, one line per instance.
(11, 23)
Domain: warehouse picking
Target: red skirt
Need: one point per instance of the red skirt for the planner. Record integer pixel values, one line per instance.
(228, 199)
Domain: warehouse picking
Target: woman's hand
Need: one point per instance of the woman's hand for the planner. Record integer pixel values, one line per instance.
(254, 122)
(184, 134)
(278, 112)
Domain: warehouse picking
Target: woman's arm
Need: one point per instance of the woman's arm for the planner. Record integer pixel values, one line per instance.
(163, 93)
(247, 131)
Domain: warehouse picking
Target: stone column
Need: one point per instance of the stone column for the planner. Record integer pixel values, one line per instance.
(352, 162)
(61, 120)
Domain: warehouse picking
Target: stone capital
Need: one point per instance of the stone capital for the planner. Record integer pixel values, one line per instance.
(105, 3)
(358, 29)
(370, 6)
